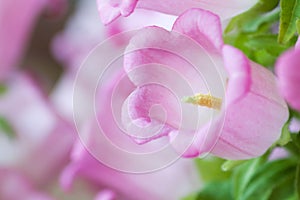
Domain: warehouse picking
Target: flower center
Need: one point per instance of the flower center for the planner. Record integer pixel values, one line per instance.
(206, 100)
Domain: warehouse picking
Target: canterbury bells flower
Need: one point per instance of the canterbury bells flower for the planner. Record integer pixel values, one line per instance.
(205, 95)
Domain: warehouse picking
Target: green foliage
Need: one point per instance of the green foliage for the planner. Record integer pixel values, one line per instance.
(2, 89)
(285, 137)
(268, 181)
(219, 190)
(254, 32)
(290, 13)
(297, 181)
(210, 169)
(230, 164)
(6, 128)
(254, 18)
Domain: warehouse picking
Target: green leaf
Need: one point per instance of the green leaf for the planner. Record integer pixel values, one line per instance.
(253, 18)
(283, 188)
(230, 164)
(210, 169)
(285, 135)
(3, 89)
(290, 13)
(298, 26)
(294, 113)
(244, 173)
(297, 181)
(262, 48)
(190, 197)
(271, 176)
(216, 191)
(6, 128)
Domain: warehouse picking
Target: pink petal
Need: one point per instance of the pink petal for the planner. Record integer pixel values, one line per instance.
(181, 175)
(253, 123)
(110, 10)
(295, 125)
(287, 70)
(239, 70)
(202, 26)
(12, 181)
(23, 105)
(106, 195)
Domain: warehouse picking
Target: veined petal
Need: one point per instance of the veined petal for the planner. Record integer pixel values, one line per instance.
(287, 70)
(254, 122)
(110, 10)
(202, 26)
(238, 68)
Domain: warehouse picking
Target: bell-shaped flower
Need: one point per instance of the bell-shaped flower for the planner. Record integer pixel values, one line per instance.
(110, 10)
(205, 95)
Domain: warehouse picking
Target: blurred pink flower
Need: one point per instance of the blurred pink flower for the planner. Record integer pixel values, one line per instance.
(112, 9)
(17, 19)
(178, 180)
(295, 125)
(252, 111)
(39, 141)
(14, 186)
(287, 70)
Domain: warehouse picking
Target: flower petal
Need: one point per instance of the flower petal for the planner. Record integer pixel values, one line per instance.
(287, 70)
(238, 68)
(110, 10)
(202, 26)
(253, 123)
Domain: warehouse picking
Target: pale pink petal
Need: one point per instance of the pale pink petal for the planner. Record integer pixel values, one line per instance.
(23, 105)
(239, 70)
(181, 177)
(106, 195)
(109, 9)
(83, 32)
(295, 125)
(253, 123)
(204, 27)
(297, 46)
(15, 187)
(287, 70)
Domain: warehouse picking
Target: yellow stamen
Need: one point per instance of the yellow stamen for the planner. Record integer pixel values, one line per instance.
(206, 100)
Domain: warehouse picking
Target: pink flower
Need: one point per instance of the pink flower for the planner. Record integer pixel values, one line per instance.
(111, 9)
(246, 119)
(17, 19)
(95, 159)
(14, 186)
(39, 141)
(287, 70)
